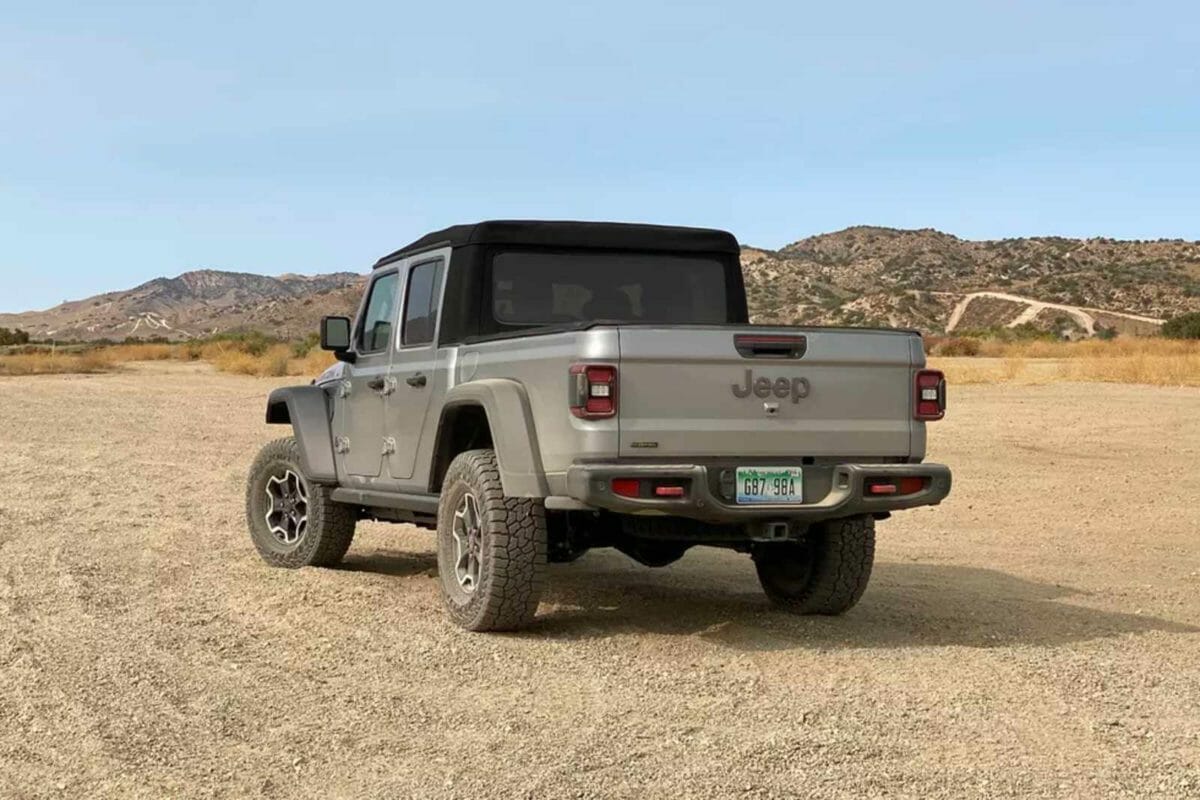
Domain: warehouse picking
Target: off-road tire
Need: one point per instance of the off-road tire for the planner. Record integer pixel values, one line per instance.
(330, 526)
(512, 548)
(826, 573)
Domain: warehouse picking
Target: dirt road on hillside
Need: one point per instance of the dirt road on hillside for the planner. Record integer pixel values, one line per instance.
(1037, 635)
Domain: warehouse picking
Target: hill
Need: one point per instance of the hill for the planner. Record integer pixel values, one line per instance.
(928, 279)
(196, 304)
(859, 276)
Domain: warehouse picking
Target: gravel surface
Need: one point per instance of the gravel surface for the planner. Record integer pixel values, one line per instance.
(1038, 635)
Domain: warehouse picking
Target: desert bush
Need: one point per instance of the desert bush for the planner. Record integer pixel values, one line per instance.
(301, 348)
(139, 352)
(235, 362)
(313, 364)
(1185, 326)
(276, 360)
(957, 346)
(15, 336)
(255, 343)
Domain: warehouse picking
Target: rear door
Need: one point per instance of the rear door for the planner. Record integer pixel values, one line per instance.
(780, 393)
(368, 382)
(414, 363)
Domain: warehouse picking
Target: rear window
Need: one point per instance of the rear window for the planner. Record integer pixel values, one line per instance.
(541, 288)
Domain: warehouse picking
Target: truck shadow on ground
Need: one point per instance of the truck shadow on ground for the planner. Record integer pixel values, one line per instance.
(906, 605)
(390, 562)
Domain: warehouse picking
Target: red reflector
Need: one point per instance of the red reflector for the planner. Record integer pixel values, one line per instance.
(907, 485)
(627, 487)
(668, 491)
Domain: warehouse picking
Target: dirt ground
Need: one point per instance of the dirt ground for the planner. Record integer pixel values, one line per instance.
(1036, 635)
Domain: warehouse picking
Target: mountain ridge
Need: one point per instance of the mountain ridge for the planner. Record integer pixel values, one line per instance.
(196, 303)
(862, 275)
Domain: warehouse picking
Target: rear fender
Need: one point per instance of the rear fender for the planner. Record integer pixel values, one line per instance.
(306, 409)
(514, 437)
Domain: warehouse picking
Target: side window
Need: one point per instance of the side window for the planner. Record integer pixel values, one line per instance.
(376, 330)
(421, 303)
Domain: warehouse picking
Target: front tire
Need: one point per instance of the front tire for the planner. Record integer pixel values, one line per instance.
(491, 548)
(293, 522)
(826, 573)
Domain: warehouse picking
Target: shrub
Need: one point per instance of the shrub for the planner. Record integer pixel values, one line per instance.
(253, 342)
(301, 348)
(16, 336)
(1185, 326)
(276, 362)
(956, 346)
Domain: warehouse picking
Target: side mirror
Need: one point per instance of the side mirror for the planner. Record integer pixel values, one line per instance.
(335, 336)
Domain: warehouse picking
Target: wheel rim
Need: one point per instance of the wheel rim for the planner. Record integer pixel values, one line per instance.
(287, 507)
(467, 532)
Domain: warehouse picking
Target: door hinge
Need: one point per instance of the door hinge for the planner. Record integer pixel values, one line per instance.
(389, 386)
(341, 444)
(344, 389)
(389, 446)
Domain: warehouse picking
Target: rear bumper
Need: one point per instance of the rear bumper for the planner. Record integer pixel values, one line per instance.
(591, 485)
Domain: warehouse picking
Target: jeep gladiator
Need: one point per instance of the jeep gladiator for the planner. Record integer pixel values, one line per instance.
(531, 390)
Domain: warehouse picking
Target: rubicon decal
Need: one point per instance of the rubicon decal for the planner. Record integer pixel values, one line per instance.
(795, 388)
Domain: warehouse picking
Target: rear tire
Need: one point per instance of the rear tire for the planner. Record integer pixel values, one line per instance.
(826, 573)
(491, 548)
(293, 522)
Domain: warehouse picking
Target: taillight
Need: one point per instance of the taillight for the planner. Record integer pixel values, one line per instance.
(592, 391)
(929, 395)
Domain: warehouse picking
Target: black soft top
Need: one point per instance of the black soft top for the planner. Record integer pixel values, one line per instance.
(595, 235)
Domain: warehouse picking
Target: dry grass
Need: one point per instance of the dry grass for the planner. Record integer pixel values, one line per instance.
(1153, 361)
(1154, 370)
(276, 361)
(123, 353)
(1124, 347)
(963, 370)
(84, 363)
(1160, 370)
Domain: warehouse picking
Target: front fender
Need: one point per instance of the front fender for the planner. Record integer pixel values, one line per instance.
(306, 409)
(514, 435)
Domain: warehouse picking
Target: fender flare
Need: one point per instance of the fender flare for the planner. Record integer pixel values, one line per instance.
(306, 409)
(514, 435)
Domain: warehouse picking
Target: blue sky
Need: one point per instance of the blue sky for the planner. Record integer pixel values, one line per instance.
(146, 139)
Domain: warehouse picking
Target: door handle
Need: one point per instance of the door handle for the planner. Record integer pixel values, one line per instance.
(377, 384)
(417, 380)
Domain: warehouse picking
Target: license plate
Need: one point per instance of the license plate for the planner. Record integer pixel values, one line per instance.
(770, 485)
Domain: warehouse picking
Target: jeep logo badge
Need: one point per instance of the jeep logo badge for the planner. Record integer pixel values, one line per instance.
(794, 388)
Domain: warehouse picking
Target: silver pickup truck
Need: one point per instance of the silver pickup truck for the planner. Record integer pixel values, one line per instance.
(531, 390)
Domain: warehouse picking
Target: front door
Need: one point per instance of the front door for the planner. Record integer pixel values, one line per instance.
(414, 364)
(369, 382)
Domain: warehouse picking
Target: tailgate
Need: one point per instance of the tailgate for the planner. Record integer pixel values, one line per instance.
(693, 392)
